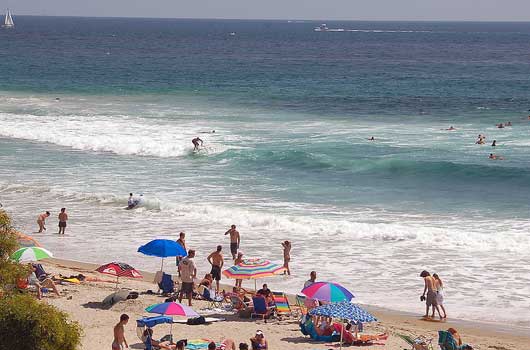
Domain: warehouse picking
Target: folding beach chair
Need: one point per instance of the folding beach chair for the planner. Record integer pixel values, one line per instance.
(237, 303)
(417, 343)
(300, 305)
(260, 308)
(446, 341)
(166, 285)
(282, 304)
(215, 301)
(40, 273)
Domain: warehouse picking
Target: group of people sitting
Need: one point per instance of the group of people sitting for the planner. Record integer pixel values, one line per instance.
(258, 342)
(323, 329)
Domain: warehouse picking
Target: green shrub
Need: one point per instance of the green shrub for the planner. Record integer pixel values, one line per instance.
(10, 271)
(29, 324)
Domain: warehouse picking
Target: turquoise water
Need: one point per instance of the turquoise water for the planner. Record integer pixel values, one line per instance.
(92, 109)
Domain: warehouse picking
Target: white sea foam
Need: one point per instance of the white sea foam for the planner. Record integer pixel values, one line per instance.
(121, 135)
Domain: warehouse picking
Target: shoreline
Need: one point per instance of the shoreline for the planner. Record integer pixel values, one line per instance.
(391, 318)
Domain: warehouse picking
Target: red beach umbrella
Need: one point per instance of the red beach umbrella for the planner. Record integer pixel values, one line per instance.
(119, 270)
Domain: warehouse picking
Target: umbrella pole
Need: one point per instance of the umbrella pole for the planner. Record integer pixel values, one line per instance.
(341, 333)
(117, 277)
(171, 332)
(255, 286)
(162, 265)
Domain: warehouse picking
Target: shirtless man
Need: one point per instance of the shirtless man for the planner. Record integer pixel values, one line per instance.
(41, 221)
(119, 333)
(195, 142)
(430, 289)
(234, 240)
(182, 242)
(216, 260)
(63, 217)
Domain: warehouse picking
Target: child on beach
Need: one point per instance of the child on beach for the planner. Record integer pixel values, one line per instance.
(119, 333)
(63, 217)
(286, 255)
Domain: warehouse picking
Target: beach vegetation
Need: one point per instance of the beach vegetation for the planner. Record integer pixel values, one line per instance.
(25, 322)
(29, 324)
(10, 271)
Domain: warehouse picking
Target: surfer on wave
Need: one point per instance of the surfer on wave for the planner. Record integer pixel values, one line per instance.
(195, 142)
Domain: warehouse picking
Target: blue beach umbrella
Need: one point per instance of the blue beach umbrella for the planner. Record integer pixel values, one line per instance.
(162, 248)
(343, 310)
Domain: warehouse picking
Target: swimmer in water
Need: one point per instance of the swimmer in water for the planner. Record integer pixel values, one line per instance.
(195, 142)
(500, 126)
(451, 128)
(494, 143)
(508, 124)
(481, 139)
(371, 139)
(495, 157)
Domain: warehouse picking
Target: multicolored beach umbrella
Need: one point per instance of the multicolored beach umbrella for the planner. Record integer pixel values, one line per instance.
(327, 291)
(119, 270)
(172, 309)
(254, 268)
(343, 310)
(28, 254)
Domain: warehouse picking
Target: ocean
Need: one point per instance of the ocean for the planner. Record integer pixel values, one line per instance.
(94, 108)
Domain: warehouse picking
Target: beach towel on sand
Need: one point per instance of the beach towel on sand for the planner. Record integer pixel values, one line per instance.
(195, 344)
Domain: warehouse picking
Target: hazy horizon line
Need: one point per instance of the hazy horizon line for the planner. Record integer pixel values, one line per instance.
(279, 19)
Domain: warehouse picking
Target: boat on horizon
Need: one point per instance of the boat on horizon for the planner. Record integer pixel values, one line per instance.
(8, 21)
(324, 28)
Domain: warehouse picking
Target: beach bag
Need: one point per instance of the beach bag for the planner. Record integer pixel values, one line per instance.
(196, 320)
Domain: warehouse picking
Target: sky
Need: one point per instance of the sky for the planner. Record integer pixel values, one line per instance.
(470, 10)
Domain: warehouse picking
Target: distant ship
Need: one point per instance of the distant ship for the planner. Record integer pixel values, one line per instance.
(8, 21)
(324, 28)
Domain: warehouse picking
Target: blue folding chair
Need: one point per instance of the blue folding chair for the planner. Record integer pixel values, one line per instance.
(166, 284)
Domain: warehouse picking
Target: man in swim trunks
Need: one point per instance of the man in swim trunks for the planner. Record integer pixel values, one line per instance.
(430, 289)
(182, 242)
(216, 260)
(195, 142)
(63, 217)
(41, 221)
(188, 272)
(234, 240)
(119, 333)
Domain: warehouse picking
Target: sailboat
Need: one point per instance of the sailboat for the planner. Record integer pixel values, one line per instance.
(8, 21)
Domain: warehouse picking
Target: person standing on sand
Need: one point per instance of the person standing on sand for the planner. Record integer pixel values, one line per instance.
(63, 218)
(235, 240)
(286, 255)
(216, 260)
(439, 285)
(41, 221)
(430, 289)
(239, 260)
(188, 272)
(119, 333)
(182, 242)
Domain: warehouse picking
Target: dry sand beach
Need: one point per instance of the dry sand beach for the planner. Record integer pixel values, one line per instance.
(82, 303)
